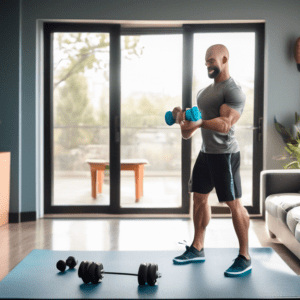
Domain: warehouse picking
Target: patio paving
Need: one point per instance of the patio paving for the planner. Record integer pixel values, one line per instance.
(159, 191)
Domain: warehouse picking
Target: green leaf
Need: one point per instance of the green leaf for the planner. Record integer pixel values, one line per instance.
(77, 60)
(295, 149)
(292, 165)
(288, 150)
(285, 132)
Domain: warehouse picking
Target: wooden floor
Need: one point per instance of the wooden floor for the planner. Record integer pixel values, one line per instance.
(18, 240)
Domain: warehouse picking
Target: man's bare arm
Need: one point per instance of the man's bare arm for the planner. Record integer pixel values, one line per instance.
(216, 124)
(228, 117)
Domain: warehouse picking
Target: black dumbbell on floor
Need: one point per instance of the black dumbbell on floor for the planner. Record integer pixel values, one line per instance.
(93, 272)
(148, 273)
(70, 262)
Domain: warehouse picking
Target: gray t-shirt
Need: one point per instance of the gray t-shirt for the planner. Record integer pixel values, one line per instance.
(209, 101)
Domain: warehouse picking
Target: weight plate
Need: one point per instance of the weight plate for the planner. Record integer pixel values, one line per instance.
(99, 271)
(92, 273)
(169, 118)
(151, 274)
(61, 265)
(85, 274)
(80, 270)
(95, 272)
(71, 262)
(142, 275)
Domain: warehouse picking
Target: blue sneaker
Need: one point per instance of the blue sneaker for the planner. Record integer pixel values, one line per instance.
(191, 255)
(240, 267)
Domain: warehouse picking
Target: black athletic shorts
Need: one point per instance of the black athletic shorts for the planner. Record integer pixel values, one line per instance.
(219, 171)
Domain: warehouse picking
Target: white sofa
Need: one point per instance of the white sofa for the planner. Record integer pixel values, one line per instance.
(280, 194)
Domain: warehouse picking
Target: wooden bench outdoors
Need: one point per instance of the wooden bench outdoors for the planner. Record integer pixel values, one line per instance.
(97, 174)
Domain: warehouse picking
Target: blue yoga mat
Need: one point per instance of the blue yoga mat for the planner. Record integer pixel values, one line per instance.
(36, 276)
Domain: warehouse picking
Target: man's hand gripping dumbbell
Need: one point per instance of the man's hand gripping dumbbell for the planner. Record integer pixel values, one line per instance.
(189, 120)
(177, 115)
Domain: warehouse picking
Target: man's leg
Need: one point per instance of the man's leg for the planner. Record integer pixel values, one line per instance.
(240, 218)
(202, 215)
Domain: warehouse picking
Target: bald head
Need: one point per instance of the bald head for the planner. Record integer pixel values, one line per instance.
(216, 60)
(218, 51)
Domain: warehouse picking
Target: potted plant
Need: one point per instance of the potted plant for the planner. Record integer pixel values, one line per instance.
(292, 140)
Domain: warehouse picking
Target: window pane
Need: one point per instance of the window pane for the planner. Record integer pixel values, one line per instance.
(80, 117)
(151, 86)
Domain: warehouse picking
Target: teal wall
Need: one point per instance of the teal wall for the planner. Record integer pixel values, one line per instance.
(19, 63)
(10, 92)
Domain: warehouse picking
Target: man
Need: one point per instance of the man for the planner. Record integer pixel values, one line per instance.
(218, 163)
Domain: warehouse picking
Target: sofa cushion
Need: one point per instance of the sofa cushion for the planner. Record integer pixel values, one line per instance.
(278, 205)
(272, 203)
(297, 232)
(288, 203)
(293, 218)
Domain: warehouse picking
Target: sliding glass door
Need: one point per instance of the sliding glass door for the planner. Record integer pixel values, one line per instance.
(107, 147)
(246, 49)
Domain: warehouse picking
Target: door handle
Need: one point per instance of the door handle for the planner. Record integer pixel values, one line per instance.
(260, 129)
(259, 125)
(117, 129)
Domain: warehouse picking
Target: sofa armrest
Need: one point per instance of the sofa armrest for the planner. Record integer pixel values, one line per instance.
(276, 182)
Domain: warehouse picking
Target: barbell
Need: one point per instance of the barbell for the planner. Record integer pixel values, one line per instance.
(93, 272)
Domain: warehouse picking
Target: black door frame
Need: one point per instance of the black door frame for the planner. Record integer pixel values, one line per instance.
(115, 111)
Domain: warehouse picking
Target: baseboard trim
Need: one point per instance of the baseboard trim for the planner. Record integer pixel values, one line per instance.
(31, 216)
(111, 216)
(132, 216)
(22, 217)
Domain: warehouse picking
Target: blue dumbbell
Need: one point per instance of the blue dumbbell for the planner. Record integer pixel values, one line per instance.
(192, 114)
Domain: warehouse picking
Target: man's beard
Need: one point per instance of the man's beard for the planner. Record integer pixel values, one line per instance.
(215, 73)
